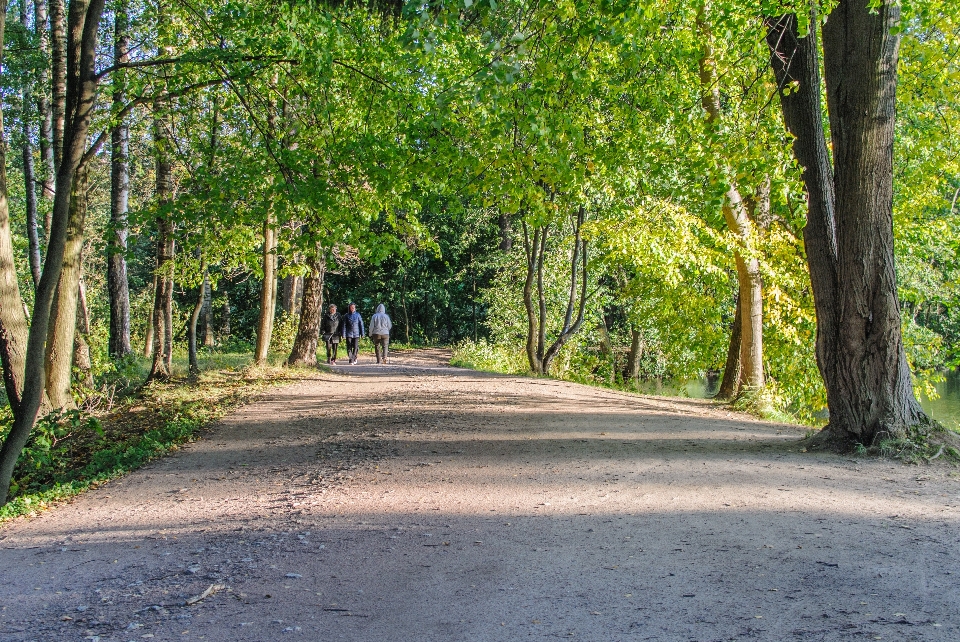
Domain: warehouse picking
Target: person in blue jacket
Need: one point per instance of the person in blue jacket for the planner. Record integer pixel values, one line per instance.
(352, 330)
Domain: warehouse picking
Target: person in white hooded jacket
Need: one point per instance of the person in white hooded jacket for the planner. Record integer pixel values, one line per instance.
(379, 331)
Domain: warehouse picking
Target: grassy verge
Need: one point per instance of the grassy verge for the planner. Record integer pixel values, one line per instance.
(69, 452)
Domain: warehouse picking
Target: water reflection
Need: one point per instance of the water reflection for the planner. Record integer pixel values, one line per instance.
(946, 409)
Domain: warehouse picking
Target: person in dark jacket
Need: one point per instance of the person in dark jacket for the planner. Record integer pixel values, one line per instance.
(330, 331)
(351, 325)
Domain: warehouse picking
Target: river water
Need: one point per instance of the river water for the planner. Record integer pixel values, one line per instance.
(946, 409)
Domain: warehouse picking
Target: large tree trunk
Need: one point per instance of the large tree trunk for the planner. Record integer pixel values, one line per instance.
(849, 232)
(874, 386)
(63, 315)
(13, 320)
(738, 221)
(304, 350)
(48, 168)
(117, 286)
(84, 21)
(58, 58)
(732, 370)
(268, 292)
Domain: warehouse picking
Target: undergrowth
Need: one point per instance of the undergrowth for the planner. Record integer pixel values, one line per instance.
(70, 451)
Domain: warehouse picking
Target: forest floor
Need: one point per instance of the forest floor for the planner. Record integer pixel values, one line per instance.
(417, 501)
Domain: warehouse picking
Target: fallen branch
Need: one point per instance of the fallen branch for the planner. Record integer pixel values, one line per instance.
(213, 588)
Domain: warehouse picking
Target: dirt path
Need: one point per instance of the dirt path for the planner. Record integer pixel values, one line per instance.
(419, 502)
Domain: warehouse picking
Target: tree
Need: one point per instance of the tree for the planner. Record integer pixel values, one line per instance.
(81, 86)
(849, 232)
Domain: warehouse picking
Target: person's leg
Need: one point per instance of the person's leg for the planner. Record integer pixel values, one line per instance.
(327, 344)
(334, 345)
(386, 346)
(353, 347)
(378, 346)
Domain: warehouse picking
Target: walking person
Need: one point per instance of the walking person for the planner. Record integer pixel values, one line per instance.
(351, 325)
(330, 330)
(380, 325)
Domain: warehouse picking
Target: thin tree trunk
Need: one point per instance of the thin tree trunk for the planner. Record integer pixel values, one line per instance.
(81, 347)
(403, 302)
(737, 219)
(58, 58)
(636, 352)
(81, 97)
(304, 350)
(541, 303)
(732, 370)
(63, 315)
(572, 326)
(194, 318)
(506, 233)
(531, 248)
(225, 329)
(30, 185)
(48, 168)
(117, 285)
(268, 292)
(162, 367)
(13, 319)
(207, 314)
(148, 333)
(291, 294)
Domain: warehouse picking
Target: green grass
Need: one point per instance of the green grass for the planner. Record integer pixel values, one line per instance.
(69, 452)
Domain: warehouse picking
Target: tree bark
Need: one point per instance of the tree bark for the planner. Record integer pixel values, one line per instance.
(506, 232)
(531, 250)
(292, 289)
(194, 318)
(207, 314)
(84, 20)
(732, 370)
(875, 390)
(81, 347)
(738, 221)
(117, 285)
(58, 59)
(849, 232)
(162, 366)
(304, 350)
(48, 167)
(63, 315)
(268, 292)
(13, 320)
(148, 332)
(632, 370)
